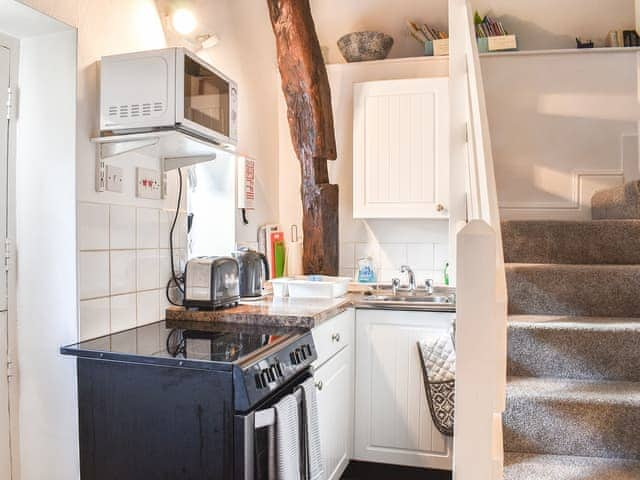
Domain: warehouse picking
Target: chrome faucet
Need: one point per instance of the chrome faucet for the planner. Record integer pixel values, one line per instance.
(395, 284)
(412, 277)
(428, 285)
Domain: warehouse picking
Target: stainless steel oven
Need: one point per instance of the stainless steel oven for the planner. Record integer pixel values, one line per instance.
(256, 436)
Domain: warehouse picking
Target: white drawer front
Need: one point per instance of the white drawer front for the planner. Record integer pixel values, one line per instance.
(333, 335)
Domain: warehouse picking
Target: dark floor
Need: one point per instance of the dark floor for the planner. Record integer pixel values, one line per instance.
(378, 471)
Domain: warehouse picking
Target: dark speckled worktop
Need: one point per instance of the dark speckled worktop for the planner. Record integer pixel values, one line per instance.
(282, 312)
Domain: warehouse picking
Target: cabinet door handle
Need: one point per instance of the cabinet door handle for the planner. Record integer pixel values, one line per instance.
(335, 337)
(319, 385)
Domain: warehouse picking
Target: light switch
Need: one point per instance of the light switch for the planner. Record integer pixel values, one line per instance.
(115, 179)
(148, 184)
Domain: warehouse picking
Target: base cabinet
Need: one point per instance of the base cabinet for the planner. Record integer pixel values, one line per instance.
(392, 420)
(334, 377)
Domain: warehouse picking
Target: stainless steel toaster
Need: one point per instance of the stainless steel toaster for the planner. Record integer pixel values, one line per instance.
(211, 283)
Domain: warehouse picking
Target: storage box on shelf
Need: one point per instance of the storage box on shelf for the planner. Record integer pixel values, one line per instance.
(499, 43)
(436, 48)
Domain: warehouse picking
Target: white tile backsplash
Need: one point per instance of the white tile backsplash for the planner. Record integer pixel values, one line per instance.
(389, 257)
(123, 312)
(441, 256)
(123, 271)
(94, 318)
(148, 228)
(94, 274)
(166, 217)
(420, 256)
(148, 307)
(122, 229)
(93, 225)
(392, 256)
(148, 269)
(347, 255)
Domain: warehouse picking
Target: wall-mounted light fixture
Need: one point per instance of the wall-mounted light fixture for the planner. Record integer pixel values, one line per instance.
(183, 21)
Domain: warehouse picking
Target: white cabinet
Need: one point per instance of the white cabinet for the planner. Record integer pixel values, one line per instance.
(401, 149)
(334, 377)
(392, 419)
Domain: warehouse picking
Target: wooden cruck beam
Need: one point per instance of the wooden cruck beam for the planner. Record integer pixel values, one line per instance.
(306, 89)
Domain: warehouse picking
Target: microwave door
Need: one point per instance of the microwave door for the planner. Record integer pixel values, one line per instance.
(207, 99)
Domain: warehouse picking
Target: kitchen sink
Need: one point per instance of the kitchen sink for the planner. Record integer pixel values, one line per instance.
(416, 301)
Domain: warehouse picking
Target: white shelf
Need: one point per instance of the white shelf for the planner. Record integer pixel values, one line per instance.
(563, 51)
(387, 61)
(174, 148)
(517, 53)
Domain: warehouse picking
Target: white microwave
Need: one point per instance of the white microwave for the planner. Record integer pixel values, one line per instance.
(166, 89)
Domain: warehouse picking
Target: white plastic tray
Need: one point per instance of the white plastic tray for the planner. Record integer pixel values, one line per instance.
(310, 286)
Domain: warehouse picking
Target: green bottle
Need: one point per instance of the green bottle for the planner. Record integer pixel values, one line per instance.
(446, 274)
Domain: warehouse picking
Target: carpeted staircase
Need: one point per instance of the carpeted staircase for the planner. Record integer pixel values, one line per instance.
(573, 397)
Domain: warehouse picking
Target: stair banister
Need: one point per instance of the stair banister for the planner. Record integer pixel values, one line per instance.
(480, 276)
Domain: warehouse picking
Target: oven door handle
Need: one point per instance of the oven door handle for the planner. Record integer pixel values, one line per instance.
(264, 418)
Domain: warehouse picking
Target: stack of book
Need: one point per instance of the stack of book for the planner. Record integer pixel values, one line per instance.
(623, 38)
(424, 32)
(488, 27)
(435, 41)
(492, 36)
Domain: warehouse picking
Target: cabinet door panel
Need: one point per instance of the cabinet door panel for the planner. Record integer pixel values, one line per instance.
(335, 411)
(393, 423)
(401, 148)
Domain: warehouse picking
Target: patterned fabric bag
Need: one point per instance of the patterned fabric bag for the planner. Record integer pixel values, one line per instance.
(439, 371)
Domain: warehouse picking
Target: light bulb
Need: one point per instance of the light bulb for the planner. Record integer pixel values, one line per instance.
(183, 21)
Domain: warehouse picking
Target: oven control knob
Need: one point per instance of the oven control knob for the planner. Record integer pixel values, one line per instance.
(296, 358)
(307, 349)
(264, 376)
(303, 354)
(279, 369)
(259, 383)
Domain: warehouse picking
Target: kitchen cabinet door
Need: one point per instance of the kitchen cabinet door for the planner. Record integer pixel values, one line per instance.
(401, 149)
(334, 383)
(393, 423)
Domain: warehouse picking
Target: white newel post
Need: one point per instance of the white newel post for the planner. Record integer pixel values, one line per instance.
(477, 448)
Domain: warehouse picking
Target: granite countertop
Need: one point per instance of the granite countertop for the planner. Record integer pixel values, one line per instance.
(281, 312)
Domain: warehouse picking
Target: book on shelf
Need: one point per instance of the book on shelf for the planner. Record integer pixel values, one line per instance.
(623, 38)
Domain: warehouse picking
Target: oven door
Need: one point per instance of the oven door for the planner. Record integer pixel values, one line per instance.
(255, 437)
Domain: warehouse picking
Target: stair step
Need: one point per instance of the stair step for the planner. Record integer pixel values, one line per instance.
(617, 202)
(522, 466)
(588, 290)
(589, 242)
(573, 417)
(593, 348)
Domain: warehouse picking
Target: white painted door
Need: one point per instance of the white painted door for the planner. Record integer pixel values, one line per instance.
(393, 423)
(401, 149)
(334, 381)
(5, 448)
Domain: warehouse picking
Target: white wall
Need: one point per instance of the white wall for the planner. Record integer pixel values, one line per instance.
(540, 24)
(246, 52)
(391, 243)
(46, 243)
(124, 241)
(552, 148)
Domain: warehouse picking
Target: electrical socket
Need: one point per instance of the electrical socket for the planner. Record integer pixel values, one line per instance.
(148, 184)
(115, 179)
